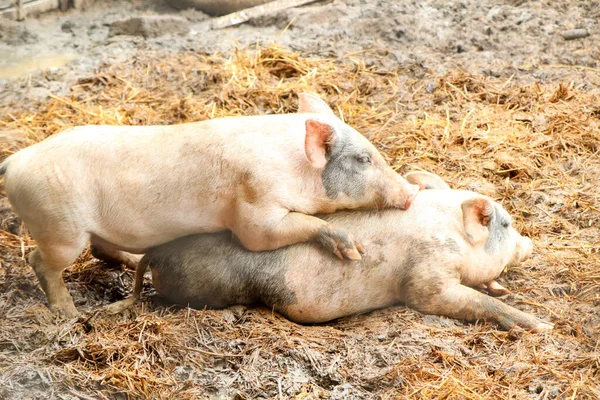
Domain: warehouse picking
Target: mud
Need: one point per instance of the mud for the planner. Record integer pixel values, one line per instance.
(253, 353)
(516, 40)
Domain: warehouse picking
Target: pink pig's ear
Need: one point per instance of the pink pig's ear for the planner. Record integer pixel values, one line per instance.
(426, 180)
(477, 214)
(309, 103)
(319, 136)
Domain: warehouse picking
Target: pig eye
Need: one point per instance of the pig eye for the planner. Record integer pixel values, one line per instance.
(364, 159)
(505, 223)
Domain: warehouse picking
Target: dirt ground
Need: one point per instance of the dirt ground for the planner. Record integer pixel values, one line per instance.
(488, 95)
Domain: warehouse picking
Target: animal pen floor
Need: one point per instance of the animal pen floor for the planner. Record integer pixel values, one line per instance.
(531, 143)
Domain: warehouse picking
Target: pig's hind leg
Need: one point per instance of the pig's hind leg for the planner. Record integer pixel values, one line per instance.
(459, 301)
(49, 260)
(108, 254)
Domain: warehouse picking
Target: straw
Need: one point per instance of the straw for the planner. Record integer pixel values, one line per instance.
(533, 147)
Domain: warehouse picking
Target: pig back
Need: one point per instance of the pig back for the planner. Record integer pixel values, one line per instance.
(187, 175)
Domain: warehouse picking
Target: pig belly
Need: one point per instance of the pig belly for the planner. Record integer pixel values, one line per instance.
(326, 288)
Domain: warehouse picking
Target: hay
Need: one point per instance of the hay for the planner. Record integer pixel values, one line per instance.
(534, 148)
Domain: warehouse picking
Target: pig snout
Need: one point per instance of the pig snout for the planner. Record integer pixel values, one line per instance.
(522, 252)
(402, 194)
(412, 193)
(526, 248)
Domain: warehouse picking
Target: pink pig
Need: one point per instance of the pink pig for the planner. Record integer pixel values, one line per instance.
(128, 188)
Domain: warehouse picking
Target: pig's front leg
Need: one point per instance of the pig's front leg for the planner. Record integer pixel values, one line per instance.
(294, 227)
(459, 301)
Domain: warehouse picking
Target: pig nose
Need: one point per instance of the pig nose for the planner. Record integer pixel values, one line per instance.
(527, 248)
(412, 193)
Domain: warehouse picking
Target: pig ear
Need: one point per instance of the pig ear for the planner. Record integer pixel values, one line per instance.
(309, 103)
(319, 137)
(477, 214)
(426, 180)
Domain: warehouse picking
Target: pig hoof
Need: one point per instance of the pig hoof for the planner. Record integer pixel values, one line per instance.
(498, 293)
(339, 243)
(496, 290)
(338, 253)
(360, 248)
(120, 306)
(542, 327)
(352, 254)
(67, 311)
(493, 289)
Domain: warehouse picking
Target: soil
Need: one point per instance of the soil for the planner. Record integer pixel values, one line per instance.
(252, 353)
(519, 39)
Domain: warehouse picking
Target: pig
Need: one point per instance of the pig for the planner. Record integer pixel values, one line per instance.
(428, 258)
(126, 189)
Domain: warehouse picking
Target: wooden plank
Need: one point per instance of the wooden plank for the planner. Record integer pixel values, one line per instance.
(242, 16)
(20, 11)
(6, 3)
(28, 8)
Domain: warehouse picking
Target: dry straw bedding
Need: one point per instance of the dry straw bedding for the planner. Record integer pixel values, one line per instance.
(534, 148)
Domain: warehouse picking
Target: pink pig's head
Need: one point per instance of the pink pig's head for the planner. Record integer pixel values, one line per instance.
(353, 173)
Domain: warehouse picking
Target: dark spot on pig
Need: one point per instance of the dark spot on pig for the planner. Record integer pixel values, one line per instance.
(422, 293)
(373, 259)
(418, 252)
(344, 172)
(498, 228)
(419, 284)
(506, 317)
(379, 242)
(212, 270)
(451, 245)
